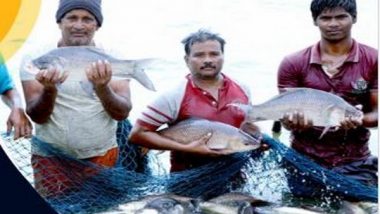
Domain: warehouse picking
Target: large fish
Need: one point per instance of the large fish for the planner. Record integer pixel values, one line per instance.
(75, 59)
(284, 210)
(160, 204)
(235, 198)
(224, 137)
(323, 108)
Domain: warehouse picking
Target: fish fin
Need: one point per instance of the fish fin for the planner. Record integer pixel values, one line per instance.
(87, 87)
(59, 65)
(28, 69)
(254, 139)
(332, 113)
(244, 107)
(325, 130)
(329, 107)
(147, 62)
(140, 75)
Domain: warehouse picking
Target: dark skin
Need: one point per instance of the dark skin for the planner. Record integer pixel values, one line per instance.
(205, 62)
(17, 118)
(207, 79)
(78, 28)
(336, 41)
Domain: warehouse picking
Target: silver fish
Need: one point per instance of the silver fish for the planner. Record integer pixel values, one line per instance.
(323, 108)
(357, 208)
(75, 59)
(162, 204)
(284, 210)
(224, 137)
(236, 198)
(216, 208)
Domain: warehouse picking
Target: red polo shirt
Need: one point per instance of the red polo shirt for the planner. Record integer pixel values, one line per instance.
(354, 81)
(187, 101)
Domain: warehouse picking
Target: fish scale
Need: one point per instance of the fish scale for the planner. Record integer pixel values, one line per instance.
(223, 136)
(75, 60)
(323, 108)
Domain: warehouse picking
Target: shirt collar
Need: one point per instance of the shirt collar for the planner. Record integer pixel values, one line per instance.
(353, 55)
(226, 81)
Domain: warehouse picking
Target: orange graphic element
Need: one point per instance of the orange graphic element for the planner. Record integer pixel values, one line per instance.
(16, 22)
(8, 11)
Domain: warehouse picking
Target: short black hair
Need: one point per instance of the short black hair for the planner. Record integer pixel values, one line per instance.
(318, 6)
(201, 36)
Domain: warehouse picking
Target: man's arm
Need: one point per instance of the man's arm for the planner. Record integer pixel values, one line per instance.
(17, 118)
(288, 77)
(113, 94)
(153, 140)
(370, 119)
(40, 94)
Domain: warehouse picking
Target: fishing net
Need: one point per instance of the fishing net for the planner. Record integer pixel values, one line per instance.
(79, 186)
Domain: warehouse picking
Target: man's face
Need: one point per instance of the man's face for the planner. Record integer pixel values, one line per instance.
(78, 28)
(205, 59)
(335, 24)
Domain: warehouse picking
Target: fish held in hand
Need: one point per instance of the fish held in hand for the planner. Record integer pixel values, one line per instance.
(224, 137)
(323, 108)
(76, 59)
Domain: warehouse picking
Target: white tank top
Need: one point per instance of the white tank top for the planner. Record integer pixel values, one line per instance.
(79, 125)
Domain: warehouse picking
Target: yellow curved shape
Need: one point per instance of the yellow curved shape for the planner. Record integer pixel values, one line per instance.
(20, 18)
(8, 15)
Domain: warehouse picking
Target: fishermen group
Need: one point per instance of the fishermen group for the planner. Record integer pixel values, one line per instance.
(336, 63)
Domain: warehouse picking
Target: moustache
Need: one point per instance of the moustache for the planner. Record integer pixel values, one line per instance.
(78, 32)
(208, 65)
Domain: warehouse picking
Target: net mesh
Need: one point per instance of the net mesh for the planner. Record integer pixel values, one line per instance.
(79, 186)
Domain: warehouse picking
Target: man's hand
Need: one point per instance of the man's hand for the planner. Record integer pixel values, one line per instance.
(51, 77)
(253, 130)
(200, 147)
(99, 74)
(296, 121)
(351, 123)
(20, 122)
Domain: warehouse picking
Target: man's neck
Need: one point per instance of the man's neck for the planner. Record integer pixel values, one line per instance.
(212, 86)
(342, 47)
(217, 82)
(61, 43)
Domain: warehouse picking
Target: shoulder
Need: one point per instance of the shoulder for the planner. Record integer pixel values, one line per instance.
(368, 51)
(175, 91)
(170, 97)
(296, 61)
(241, 85)
(299, 56)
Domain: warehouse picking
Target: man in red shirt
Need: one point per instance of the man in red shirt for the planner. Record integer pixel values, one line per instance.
(205, 93)
(340, 65)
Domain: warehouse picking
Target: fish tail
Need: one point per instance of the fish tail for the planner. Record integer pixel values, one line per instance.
(249, 111)
(244, 107)
(141, 76)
